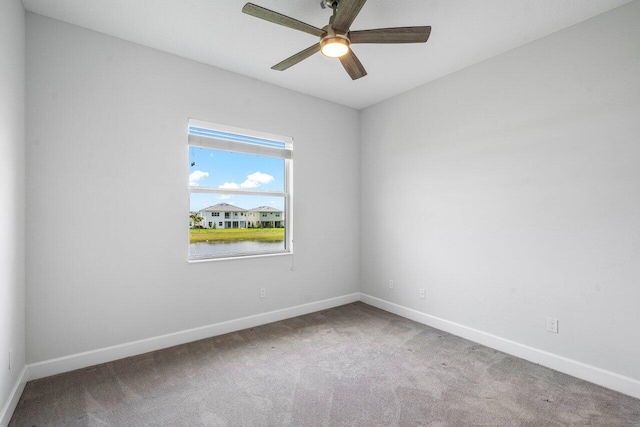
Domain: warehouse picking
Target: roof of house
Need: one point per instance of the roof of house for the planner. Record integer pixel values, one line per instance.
(265, 209)
(223, 207)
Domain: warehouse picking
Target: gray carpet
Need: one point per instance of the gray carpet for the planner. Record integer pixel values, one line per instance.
(353, 365)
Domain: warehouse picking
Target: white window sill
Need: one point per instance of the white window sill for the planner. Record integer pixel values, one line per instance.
(229, 258)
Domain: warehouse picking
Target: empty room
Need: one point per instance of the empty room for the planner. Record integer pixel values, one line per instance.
(319, 213)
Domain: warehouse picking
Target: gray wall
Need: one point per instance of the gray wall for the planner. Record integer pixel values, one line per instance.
(107, 203)
(513, 192)
(12, 284)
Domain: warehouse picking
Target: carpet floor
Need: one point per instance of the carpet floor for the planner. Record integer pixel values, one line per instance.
(353, 365)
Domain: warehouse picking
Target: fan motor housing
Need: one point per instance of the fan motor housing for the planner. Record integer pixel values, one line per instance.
(332, 3)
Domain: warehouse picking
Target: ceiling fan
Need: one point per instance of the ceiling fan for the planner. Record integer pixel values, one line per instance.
(335, 38)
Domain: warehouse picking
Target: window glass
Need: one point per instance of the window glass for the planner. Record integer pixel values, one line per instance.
(239, 186)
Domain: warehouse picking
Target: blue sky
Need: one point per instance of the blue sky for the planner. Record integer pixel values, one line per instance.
(226, 169)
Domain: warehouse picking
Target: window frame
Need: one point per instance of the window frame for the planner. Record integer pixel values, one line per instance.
(285, 153)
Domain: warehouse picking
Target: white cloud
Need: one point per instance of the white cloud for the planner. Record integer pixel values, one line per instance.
(224, 197)
(256, 179)
(196, 176)
(231, 185)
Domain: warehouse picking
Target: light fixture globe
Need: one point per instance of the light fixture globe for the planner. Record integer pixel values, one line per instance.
(334, 46)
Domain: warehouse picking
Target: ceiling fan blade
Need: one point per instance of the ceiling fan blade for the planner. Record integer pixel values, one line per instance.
(293, 60)
(278, 18)
(352, 64)
(346, 14)
(391, 35)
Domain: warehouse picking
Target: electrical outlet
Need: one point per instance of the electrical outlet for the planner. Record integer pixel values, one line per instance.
(391, 284)
(552, 325)
(422, 294)
(263, 292)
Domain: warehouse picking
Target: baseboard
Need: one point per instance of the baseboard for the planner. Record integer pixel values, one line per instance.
(14, 397)
(108, 354)
(608, 379)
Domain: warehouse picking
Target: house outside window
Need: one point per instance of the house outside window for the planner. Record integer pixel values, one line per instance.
(269, 217)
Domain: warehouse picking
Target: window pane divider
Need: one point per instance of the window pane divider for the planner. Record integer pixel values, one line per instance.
(236, 191)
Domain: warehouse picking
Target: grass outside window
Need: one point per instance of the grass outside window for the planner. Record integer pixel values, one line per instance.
(236, 234)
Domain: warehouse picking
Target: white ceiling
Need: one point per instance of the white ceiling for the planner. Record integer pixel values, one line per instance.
(216, 32)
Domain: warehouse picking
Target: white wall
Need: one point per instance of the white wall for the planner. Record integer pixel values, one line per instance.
(107, 134)
(524, 173)
(12, 285)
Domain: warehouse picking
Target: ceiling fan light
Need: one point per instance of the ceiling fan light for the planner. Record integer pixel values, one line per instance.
(334, 47)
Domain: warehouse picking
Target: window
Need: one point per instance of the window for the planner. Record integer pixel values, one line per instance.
(236, 171)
